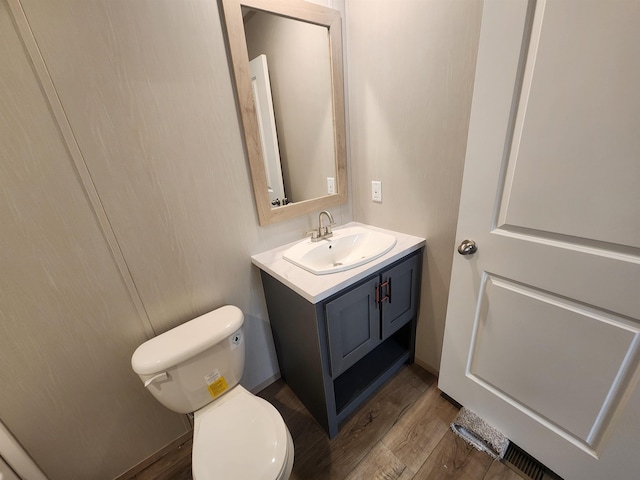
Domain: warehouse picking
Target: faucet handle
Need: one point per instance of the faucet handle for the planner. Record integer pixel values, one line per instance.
(314, 235)
(327, 229)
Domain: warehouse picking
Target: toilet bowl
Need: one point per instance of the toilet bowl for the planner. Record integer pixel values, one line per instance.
(196, 367)
(266, 453)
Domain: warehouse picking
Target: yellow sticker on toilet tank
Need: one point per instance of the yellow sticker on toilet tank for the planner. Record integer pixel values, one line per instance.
(216, 384)
(218, 387)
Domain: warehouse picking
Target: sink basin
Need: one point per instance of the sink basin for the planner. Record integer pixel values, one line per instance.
(347, 248)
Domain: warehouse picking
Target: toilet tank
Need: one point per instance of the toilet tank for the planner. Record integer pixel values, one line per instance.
(194, 363)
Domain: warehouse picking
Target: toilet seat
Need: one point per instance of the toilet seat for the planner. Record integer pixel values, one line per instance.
(240, 436)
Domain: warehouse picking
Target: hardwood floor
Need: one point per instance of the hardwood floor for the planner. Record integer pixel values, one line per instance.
(401, 433)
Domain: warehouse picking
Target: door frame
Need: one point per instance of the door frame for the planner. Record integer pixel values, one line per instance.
(17, 458)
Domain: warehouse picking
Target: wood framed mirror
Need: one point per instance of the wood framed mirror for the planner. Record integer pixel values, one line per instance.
(295, 140)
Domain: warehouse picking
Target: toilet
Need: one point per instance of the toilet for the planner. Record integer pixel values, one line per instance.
(196, 367)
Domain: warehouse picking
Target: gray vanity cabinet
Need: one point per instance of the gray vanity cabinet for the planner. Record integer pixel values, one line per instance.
(335, 353)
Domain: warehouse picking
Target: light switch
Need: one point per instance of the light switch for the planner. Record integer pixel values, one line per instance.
(376, 191)
(331, 185)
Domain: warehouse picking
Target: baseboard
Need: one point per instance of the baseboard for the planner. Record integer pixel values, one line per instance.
(262, 385)
(429, 369)
(132, 472)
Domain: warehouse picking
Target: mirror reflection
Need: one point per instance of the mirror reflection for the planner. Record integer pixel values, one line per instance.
(290, 69)
(291, 103)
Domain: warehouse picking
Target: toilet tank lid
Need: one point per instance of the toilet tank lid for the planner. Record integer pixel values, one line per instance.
(185, 341)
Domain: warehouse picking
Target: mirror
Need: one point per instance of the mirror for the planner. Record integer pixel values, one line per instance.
(291, 103)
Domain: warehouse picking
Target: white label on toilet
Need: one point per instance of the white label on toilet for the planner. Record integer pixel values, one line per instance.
(235, 339)
(212, 376)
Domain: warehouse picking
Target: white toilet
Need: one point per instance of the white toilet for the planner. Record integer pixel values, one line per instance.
(196, 367)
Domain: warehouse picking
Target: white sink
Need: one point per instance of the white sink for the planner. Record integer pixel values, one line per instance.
(347, 248)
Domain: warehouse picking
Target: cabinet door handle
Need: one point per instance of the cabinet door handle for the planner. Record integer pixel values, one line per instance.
(387, 296)
(389, 290)
(378, 299)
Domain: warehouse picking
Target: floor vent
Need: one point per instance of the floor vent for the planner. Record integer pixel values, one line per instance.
(527, 466)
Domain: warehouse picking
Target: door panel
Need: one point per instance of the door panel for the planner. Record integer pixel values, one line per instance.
(585, 352)
(581, 181)
(542, 323)
(402, 292)
(353, 326)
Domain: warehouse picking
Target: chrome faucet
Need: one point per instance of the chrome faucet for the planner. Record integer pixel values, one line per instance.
(322, 232)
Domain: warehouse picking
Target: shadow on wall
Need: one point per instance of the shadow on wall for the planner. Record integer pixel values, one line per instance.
(259, 350)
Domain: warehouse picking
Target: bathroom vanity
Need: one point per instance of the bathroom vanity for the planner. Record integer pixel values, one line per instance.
(340, 336)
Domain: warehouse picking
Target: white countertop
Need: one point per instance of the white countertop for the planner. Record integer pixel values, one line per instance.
(315, 288)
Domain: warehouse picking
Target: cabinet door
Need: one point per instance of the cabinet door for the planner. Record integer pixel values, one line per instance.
(353, 326)
(401, 294)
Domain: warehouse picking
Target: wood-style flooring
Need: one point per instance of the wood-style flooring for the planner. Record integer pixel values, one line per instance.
(402, 432)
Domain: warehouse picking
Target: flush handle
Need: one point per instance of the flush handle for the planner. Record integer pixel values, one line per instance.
(156, 378)
(467, 247)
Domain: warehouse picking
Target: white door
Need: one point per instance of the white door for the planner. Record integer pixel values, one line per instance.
(267, 126)
(542, 326)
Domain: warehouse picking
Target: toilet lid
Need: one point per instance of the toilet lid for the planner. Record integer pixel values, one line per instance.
(239, 436)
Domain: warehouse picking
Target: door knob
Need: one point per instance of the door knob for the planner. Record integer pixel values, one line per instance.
(467, 247)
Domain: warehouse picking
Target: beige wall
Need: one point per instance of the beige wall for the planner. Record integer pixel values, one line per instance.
(411, 67)
(67, 322)
(126, 209)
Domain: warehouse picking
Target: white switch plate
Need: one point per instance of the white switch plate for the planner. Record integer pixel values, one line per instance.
(376, 191)
(331, 185)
